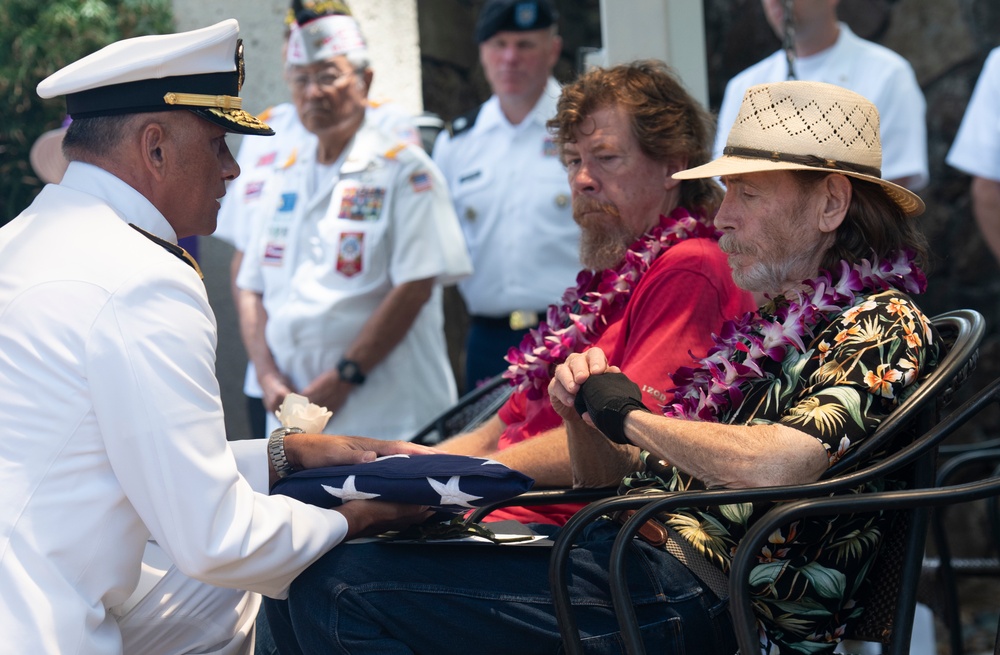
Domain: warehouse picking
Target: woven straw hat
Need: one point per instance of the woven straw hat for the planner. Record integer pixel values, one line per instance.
(46, 156)
(788, 126)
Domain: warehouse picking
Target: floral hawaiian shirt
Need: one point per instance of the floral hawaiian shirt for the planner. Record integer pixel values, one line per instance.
(855, 371)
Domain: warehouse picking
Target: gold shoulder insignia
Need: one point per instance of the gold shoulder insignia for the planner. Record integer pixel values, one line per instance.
(172, 248)
(395, 150)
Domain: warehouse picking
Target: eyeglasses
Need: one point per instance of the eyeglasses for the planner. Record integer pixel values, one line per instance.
(326, 80)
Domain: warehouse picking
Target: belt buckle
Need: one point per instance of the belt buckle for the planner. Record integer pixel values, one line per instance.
(522, 319)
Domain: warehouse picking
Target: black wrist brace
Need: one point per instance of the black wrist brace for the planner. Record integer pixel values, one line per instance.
(609, 398)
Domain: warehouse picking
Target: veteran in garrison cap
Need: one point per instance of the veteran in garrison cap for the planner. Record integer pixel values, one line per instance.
(363, 222)
(129, 523)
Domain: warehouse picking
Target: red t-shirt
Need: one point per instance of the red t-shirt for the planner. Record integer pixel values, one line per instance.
(682, 299)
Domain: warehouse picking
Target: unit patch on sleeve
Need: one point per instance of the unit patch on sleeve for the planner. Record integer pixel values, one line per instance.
(350, 254)
(420, 181)
(549, 148)
(287, 202)
(361, 203)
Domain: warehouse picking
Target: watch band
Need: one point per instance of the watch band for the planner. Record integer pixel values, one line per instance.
(350, 371)
(276, 450)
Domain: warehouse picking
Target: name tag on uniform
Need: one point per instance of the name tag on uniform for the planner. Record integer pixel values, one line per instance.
(350, 254)
(469, 177)
(362, 203)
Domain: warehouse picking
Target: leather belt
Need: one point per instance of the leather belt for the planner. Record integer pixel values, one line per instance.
(520, 319)
(659, 535)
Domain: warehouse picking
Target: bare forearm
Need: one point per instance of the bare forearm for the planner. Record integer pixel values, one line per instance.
(986, 209)
(544, 457)
(389, 323)
(234, 269)
(730, 456)
(596, 461)
(481, 442)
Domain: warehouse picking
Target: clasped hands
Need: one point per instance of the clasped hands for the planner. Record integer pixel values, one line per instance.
(585, 387)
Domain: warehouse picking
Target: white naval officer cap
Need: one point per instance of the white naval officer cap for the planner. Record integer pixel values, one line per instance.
(201, 71)
(322, 38)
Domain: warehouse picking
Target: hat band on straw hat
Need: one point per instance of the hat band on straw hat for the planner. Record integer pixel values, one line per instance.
(806, 160)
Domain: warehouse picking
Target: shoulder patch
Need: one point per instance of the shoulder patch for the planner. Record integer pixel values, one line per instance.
(464, 122)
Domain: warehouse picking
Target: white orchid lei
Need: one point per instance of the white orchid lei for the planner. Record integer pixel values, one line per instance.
(581, 315)
(707, 390)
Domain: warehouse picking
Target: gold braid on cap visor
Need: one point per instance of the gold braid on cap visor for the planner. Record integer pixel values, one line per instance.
(203, 100)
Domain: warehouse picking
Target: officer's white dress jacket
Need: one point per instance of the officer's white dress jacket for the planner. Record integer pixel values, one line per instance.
(112, 427)
(324, 256)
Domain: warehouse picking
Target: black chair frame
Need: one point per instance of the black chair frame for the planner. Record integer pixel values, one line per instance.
(919, 411)
(491, 395)
(949, 568)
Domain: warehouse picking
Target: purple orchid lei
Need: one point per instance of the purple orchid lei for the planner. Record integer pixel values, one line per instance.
(706, 391)
(582, 313)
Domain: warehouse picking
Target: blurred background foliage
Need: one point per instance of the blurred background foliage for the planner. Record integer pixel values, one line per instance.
(39, 38)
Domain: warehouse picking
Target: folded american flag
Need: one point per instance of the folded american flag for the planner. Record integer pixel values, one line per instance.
(446, 482)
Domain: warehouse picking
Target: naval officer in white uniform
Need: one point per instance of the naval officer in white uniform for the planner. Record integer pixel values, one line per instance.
(113, 427)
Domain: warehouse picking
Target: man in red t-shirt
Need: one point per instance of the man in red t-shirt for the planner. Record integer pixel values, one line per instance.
(664, 285)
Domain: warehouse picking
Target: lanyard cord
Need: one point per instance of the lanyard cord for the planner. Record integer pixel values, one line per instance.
(788, 40)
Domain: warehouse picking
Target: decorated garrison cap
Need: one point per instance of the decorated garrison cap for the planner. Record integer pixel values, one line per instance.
(201, 71)
(514, 16)
(302, 11)
(806, 126)
(323, 38)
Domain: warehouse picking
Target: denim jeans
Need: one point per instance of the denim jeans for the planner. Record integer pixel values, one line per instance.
(385, 598)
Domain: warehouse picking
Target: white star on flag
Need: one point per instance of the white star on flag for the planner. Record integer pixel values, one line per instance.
(450, 493)
(348, 491)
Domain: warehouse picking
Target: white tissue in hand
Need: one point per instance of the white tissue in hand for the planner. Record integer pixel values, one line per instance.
(297, 412)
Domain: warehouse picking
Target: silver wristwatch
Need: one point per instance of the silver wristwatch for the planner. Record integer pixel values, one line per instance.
(276, 450)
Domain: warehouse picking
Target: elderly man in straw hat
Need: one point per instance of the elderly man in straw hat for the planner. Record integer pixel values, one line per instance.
(113, 428)
(807, 221)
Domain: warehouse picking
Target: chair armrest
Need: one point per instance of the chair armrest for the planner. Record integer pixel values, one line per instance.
(542, 497)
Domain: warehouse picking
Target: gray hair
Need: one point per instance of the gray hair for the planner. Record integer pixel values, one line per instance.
(97, 136)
